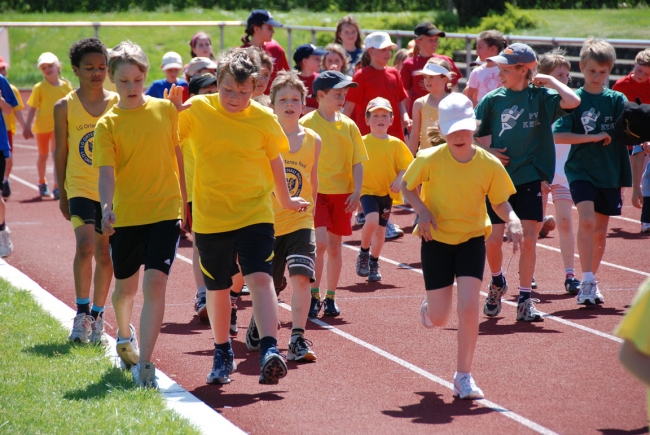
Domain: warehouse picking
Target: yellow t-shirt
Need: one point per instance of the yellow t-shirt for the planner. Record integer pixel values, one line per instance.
(81, 179)
(386, 157)
(188, 167)
(428, 119)
(635, 326)
(44, 96)
(342, 148)
(232, 174)
(140, 145)
(298, 167)
(455, 192)
(10, 120)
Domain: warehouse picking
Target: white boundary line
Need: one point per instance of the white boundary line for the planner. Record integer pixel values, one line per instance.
(22, 145)
(25, 182)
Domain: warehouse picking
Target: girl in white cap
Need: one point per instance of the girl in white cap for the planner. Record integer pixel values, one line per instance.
(454, 224)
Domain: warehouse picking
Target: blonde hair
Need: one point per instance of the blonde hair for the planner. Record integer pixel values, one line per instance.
(399, 58)
(434, 136)
(643, 57)
(348, 20)
(127, 52)
(551, 60)
(337, 49)
(288, 79)
(598, 50)
(240, 63)
(443, 63)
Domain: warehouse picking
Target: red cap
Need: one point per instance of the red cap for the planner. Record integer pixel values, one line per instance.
(3, 62)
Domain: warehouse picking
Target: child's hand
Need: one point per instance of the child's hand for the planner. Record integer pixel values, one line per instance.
(175, 95)
(546, 188)
(107, 220)
(352, 201)
(298, 204)
(637, 197)
(27, 133)
(498, 153)
(515, 234)
(426, 221)
(63, 204)
(396, 185)
(542, 80)
(602, 136)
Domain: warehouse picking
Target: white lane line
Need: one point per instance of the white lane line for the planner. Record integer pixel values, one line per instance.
(484, 402)
(514, 304)
(25, 182)
(627, 269)
(206, 419)
(28, 147)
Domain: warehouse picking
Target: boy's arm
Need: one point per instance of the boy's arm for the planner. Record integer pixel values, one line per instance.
(637, 172)
(577, 139)
(635, 362)
(5, 107)
(27, 130)
(357, 176)
(425, 218)
(106, 192)
(181, 179)
(414, 137)
(513, 226)
(396, 185)
(314, 170)
(61, 152)
(569, 99)
(404, 116)
(348, 108)
(19, 117)
(282, 191)
(471, 93)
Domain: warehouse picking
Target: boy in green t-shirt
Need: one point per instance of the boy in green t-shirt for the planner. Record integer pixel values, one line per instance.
(516, 128)
(597, 166)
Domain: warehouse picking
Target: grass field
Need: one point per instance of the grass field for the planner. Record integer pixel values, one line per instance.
(48, 385)
(28, 43)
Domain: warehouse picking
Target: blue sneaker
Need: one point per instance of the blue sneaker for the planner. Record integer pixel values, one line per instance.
(273, 367)
(55, 193)
(43, 190)
(222, 366)
(314, 307)
(331, 309)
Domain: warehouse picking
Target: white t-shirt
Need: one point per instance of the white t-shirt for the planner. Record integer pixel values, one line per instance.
(484, 79)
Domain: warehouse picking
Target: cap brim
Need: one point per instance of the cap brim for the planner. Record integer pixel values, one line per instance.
(372, 109)
(274, 23)
(320, 52)
(424, 72)
(172, 65)
(4, 65)
(463, 124)
(502, 60)
(345, 84)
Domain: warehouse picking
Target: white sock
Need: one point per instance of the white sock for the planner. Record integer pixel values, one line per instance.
(588, 276)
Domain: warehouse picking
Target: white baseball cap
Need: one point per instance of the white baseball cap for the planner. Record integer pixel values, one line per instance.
(455, 112)
(199, 63)
(379, 40)
(47, 57)
(171, 59)
(432, 69)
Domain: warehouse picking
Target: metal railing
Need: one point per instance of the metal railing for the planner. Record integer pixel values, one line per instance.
(398, 34)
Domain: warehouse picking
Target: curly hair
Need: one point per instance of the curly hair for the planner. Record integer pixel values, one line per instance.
(240, 63)
(85, 46)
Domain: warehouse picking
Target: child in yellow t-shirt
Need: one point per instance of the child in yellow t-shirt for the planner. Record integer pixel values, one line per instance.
(340, 175)
(388, 159)
(295, 242)
(237, 145)
(10, 121)
(75, 117)
(454, 224)
(141, 191)
(41, 104)
(635, 330)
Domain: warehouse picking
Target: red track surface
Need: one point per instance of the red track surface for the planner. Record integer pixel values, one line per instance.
(564, 379)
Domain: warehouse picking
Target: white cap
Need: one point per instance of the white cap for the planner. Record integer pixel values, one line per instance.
(379, 40)
(47, 57)
(171, 59)
(432, 69)
(455, 112)
(199, 63)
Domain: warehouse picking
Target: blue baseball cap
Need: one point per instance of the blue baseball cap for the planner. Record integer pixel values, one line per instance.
(515, 54)
(305, 50)
(259, 17)
(331, 80)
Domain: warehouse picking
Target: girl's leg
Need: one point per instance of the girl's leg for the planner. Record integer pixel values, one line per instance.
(51, 145)
(154, 287)
(600, 240)
(439, 301)
(43, 143)
(565, 229)
(468, 309)
(103, 270)
(123, 297)
(218, 306)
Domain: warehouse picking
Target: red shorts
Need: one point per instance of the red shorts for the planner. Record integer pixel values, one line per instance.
(330, 213)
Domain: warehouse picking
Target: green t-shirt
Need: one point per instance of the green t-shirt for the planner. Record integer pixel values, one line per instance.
(521, 121)
(603, 166)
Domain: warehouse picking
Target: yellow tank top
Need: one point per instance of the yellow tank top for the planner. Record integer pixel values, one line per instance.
(81, 178)
(298, 167)
(429, 119)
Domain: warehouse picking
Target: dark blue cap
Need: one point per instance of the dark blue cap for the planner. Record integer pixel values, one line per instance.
(305, 50)
(331, 80)
(259, 17)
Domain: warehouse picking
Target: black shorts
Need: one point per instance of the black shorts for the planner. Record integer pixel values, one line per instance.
(297, 251)
(442, 262)
(526, 203)
(607, 201)
(377, 204)
(85, 211)
(189, 215)
(3, 163)
(153, 245)
(252, 246)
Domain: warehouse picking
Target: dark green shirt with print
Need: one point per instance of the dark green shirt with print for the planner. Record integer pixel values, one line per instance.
(603, 166)
(521, 121)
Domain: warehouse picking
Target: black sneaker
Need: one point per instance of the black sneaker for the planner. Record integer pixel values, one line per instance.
(314, 307)
(374, 275)
(330, 307)
(273, 367)
(492, 305)
(363, 267)
(572, 285)
(299, 349)
(6, 189)
(233, 320)
(252, 336)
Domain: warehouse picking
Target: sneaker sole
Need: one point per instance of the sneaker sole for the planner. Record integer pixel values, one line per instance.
(308, 357)
(470, 397)
(331, 314)
(589, 302)
(125, 361)
(362, 275)
(374, 279)
(273, 370)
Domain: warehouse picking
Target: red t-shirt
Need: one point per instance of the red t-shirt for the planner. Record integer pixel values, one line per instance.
(278, 57)
(374, 83)
(414, 85)
(633, 89)
(309, 81)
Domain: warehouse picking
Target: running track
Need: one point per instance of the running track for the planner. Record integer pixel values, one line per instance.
(378, 370)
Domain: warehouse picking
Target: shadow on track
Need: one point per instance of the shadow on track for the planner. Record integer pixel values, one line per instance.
(432, 409)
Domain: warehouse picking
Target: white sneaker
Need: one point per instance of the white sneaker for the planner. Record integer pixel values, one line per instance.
(645, 228)
(6, 247)
(424, 314)
(81, 328)
(465, 387)
(393, 231)
(97, 335)
(360, 218)
(527, 311)
(144, 375)
(589, 294)
(128, 350)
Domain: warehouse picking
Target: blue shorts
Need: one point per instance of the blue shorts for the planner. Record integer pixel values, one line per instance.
(377, 204)
(607, 201)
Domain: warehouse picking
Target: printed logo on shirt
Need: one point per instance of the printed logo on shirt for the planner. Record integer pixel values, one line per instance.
(509, 118)
(589, 119)
(294, 181)
(86, 147)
